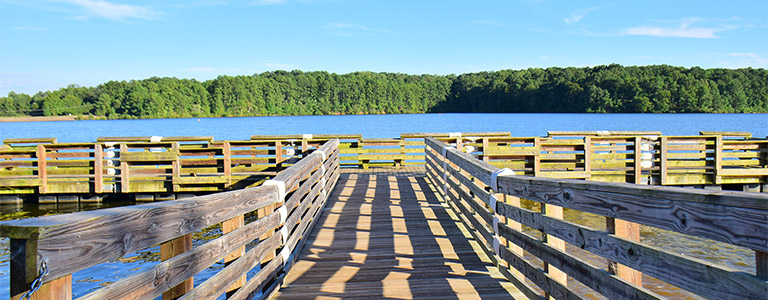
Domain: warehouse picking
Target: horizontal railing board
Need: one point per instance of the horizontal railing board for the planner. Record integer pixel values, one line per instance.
(75, 241)
(597, 279)
(688, 273)
(152, 282)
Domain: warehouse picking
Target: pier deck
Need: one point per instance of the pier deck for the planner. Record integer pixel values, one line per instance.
(385, 235)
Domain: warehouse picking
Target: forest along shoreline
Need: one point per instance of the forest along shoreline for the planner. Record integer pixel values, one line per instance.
(600, 89)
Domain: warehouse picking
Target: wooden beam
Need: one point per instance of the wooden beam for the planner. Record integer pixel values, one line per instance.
(718, 158)
(629, 231)
(226, 227)
(556, 243)
(638, 160)
(227, 165)
(42, 166)
(663, 160)
(170, 249)
(98, 168)
(25, 267)
(124, 177)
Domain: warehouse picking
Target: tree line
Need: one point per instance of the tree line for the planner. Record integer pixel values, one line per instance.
(601, 89)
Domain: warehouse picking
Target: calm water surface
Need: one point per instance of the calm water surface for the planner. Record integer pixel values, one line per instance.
(374, 126)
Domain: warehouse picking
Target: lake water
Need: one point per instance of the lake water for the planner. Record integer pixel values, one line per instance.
(370, 126)
(388, 126)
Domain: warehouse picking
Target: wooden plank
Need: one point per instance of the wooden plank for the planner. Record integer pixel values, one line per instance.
(718, 158)
(50, 140)
(42, 168)
(743, 134)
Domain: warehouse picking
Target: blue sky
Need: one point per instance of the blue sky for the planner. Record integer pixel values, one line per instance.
(49, 44)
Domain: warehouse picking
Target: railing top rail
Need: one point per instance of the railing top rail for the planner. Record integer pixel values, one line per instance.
(601, 133)
(452, 134)
(50, 140)
(306, 136)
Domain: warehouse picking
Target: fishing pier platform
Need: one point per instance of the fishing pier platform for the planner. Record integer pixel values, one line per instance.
(422, 216)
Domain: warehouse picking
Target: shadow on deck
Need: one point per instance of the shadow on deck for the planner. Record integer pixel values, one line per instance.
(387, 236)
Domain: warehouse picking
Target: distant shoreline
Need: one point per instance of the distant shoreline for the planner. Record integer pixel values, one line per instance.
(37, 119)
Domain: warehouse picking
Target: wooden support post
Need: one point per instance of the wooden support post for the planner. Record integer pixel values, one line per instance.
(761, 259)
(227, 153)
(42, 166)
(124, 177)
(663, 160)
(486, 158)
(304, 147)
(515, 201)
(556, 212)
(718, 158)
(170, 249)
(176, 169)
(537, 157)
(460, 144)
(278, 156)
(638, 160)
(588, 156)
(629, 231)
(226, 227)
(98, 169)
(25, 267)
(263, 213)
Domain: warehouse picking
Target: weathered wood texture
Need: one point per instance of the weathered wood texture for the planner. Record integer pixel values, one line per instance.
(388, 237)
(732, 217)
(76, 241)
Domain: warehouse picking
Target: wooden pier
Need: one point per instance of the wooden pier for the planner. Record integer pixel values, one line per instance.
(452, 227)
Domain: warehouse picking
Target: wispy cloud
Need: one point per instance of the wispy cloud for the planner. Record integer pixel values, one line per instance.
(112, 11)
(489, 23)
(579, 14)
(351, 29)
(685, 28)
(29, 28)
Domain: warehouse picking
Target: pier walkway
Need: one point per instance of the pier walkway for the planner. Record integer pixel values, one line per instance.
(385, 235)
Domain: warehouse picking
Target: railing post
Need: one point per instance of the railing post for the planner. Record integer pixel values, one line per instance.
(25, 268)
(515, 202)
(176, 170)
(638, 160)
(98, 168)
(588, 156)
(555, 212)
(124, 180)
(486, 144)
(278, 156)
(170, 249)
(663, 160)
(227, 153)
(630, 231)
(42, 166)
(226, 227)
(537, 157)
(718, 158)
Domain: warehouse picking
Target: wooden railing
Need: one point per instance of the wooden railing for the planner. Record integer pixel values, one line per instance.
(471, 187)
(285, 209)
(158, 166)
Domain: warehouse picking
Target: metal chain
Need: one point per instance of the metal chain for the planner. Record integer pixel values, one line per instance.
(38, 282)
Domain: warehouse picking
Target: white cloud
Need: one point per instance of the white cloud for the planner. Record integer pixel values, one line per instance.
(576, 16)
(112, 11)
(684, 29)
